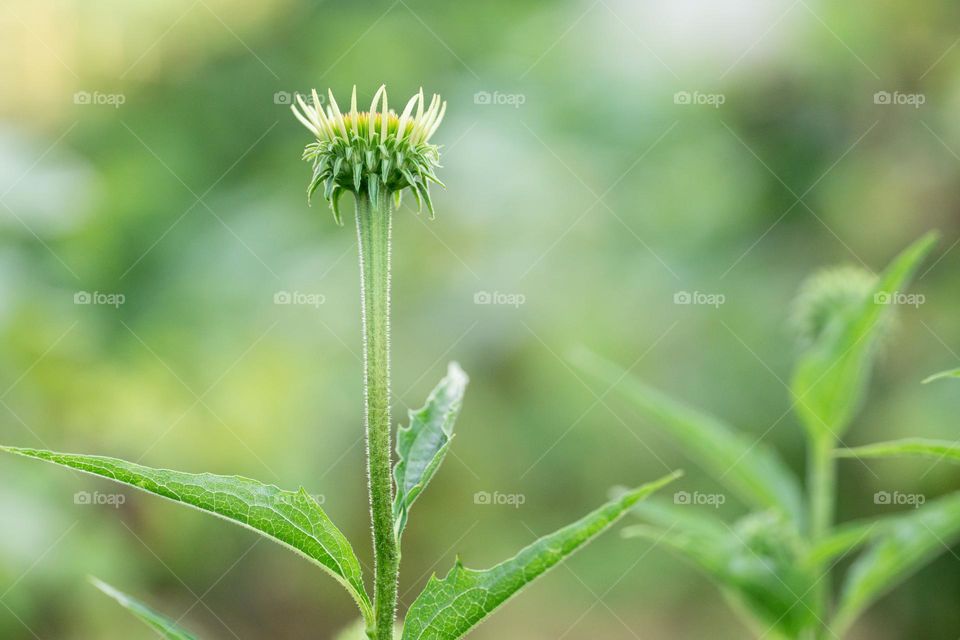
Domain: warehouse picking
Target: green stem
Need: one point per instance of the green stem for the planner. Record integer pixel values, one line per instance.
(373, 233)
(822, 486)
(822, 476)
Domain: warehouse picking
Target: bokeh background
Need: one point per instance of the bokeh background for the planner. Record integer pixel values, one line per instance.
(600, 157)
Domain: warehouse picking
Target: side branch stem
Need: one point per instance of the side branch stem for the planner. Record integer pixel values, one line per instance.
(822, 487)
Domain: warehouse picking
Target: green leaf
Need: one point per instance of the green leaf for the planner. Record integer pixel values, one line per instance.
(422, 445)
(831, 376)
(291, 518)
(683, 517)
(847, 538)
(917, 447)
(911, 542)
(851, 536)
(164, 627)
(757, 564)
(743, 464)
(952, 373)
(447, 609)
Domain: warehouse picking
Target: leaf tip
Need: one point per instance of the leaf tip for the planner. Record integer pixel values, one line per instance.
(922, 246)
(636, 495)
(20, 451)
(455, 372)
(951, 373)
(928, 239)
(106, 589)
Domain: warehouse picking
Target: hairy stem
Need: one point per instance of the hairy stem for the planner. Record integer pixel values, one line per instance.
(373, 233)
(822, 476)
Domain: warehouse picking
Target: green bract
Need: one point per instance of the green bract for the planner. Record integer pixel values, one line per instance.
(371, 151)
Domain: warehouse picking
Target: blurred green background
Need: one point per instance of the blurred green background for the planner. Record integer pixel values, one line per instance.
(600, 158)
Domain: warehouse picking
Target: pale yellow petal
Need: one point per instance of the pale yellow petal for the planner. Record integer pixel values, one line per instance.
(337, 116)
(405, 117)
(437, 121)
(309, 125)
(373, 109)
(353, 111)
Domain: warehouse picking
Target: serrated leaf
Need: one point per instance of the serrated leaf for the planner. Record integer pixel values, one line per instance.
(911, 542)
(291, 518)
(757, 564)
(422, 445)
(831, 376)
(952, 373)
(747, 467)
(163, 626)
(447, 609)
(915, 447)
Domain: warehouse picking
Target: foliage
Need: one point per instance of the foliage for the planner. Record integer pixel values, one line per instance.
(775, 564)
(163, 626)
(386, 155)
